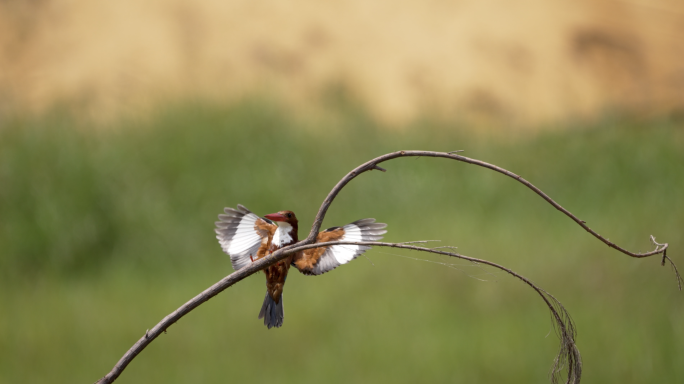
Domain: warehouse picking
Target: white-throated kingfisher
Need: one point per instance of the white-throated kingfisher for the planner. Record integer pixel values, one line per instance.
(247, 237)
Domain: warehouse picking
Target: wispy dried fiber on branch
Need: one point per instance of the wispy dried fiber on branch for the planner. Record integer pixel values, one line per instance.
(568, 357)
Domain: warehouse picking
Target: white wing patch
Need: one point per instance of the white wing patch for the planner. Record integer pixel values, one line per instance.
(346, 253)
(237, 235)
(336, 255)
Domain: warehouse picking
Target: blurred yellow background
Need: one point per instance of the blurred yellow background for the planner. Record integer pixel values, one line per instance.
(522, 62)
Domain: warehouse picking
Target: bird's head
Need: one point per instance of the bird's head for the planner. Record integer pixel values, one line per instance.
(283, 217)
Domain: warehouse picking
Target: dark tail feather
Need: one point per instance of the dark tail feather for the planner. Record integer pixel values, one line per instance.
(272, 312)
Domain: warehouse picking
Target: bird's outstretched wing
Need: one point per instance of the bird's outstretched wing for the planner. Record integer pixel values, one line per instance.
(244, 235)
(316, 261)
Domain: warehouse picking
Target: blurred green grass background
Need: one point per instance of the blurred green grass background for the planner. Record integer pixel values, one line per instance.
(103, 232)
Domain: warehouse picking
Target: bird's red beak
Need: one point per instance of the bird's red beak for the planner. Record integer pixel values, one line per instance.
(276, 217)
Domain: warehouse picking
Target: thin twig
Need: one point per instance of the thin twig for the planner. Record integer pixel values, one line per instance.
(674, 268)
(418, 241)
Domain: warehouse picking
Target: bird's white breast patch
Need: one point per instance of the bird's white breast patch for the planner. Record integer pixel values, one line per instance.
(282, 234)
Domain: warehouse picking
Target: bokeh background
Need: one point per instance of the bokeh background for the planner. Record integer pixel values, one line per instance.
(126, 127)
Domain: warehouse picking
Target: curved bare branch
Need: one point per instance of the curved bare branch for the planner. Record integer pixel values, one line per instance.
(568, 355)
(373, 164)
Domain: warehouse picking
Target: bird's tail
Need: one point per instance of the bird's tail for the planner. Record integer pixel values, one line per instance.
(272, 312)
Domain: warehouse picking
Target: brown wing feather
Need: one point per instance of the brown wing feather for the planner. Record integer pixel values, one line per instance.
(266, 231)
(320, 260)
(307, 259)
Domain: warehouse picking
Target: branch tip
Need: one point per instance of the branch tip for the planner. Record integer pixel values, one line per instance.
(375, 166)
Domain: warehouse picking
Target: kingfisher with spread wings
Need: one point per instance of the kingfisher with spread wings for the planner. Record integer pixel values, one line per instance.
(247, 237)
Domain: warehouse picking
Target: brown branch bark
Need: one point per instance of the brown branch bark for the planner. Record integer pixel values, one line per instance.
(568, 355)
